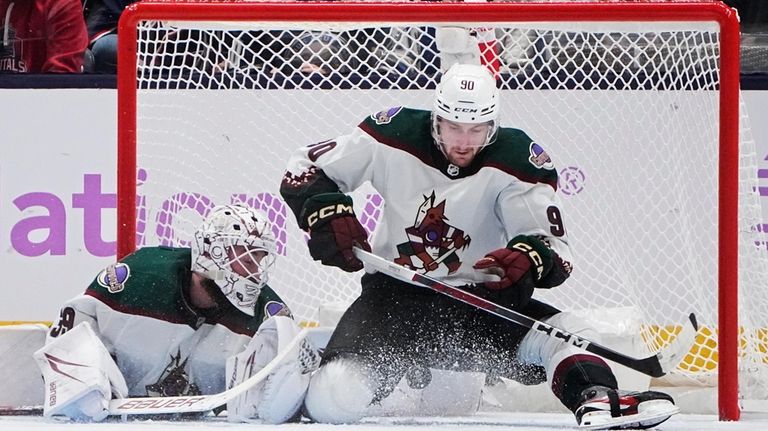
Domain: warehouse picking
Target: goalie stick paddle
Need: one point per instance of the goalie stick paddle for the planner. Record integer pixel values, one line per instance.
(200, 403)
(654, 366)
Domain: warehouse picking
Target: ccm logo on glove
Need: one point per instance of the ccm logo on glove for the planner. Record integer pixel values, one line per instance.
(523, 257)
(329, 211)
(534, 257)
(333, 230)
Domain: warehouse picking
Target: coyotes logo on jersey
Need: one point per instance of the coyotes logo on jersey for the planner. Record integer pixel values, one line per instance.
(174, 381)
(431, 240)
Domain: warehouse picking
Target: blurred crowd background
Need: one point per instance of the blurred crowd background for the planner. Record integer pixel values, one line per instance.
(80, 36)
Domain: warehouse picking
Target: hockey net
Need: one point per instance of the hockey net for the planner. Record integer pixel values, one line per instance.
(625, 97)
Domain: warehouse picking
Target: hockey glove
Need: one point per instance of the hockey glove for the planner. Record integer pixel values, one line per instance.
(333, 230)
(521, 265)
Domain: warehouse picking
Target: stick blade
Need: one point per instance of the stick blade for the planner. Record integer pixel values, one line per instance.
(673, 353)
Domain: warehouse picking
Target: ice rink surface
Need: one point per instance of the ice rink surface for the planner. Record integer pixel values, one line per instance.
(483, 421)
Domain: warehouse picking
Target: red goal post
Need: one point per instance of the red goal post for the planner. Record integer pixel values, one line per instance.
(727, 88)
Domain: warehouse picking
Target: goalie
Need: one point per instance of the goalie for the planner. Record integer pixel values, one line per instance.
(463, 197)
(170, 321)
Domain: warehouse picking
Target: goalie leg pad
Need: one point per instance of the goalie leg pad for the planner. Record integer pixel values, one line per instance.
(279, 397)
(284, 393)
(79, 374)
(339, 392)
(448, 393)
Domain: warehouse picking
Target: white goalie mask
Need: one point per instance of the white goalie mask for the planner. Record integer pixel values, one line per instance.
(235, 248)
(467, 93)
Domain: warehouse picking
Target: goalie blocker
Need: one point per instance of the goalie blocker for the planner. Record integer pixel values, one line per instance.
(80, 376)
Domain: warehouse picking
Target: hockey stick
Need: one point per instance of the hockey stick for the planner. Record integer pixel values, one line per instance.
(200, 403)
(654, 366)
(21, 410)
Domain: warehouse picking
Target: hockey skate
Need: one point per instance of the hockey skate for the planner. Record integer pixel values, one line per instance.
(605, 408)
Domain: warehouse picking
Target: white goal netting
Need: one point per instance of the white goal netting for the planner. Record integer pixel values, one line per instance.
(627, 109)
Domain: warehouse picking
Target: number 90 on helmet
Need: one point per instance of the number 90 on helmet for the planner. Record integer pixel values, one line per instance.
(235, 248)
(467, 93)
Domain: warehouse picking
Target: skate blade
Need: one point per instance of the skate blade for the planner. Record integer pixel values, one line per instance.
(650, 416)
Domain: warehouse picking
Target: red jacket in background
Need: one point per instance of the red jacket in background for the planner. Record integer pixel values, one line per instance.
(42, 36)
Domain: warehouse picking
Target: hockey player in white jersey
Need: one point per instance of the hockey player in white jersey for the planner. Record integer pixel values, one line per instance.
(464, 197)
(169, 321)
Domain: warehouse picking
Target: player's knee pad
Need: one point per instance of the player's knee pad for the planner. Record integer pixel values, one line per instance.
(339, 392)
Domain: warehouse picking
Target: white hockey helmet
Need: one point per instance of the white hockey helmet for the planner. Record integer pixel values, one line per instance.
(467, 93)
(231, 234)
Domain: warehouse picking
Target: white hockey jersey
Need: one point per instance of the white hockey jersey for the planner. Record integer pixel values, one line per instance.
(454, 215)
(162, 346)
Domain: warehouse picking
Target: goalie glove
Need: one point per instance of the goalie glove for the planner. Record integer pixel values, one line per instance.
(524, 262)
(279, 397)
(333, 230)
